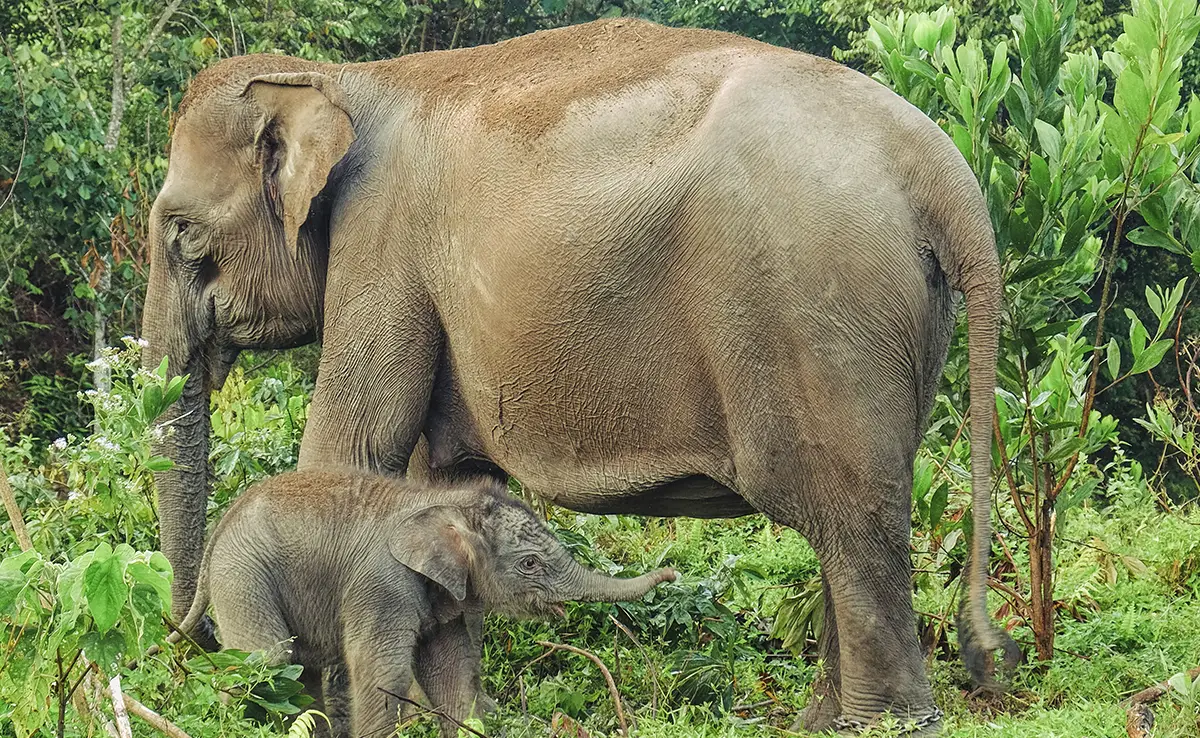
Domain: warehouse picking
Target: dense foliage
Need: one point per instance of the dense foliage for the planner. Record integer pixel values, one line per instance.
(1082, 131)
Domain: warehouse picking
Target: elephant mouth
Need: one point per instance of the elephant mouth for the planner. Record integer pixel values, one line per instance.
(557, 610)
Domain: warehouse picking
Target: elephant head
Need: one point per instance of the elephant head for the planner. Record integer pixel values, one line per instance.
(499, 552)
(238, 250)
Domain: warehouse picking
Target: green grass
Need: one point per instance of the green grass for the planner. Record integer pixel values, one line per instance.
(1131, 582)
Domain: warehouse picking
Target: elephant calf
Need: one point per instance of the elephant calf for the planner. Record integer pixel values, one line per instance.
(325, 568)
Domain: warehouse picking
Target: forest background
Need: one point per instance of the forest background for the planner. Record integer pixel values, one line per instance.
(1079, 119)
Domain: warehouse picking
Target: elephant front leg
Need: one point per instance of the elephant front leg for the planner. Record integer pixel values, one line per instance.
(380, 669)
(378, 362)
(448, 669)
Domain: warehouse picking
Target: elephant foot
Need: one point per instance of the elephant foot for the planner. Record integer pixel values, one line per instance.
(484, 704)
(822, 710)
(929, 724)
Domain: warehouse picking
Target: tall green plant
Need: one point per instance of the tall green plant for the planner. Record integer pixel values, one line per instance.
(1063, 172)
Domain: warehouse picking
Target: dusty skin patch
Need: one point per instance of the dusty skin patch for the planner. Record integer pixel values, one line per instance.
(526, 83)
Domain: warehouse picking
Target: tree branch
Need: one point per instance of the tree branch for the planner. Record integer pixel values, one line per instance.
(118, 702)
(612, 686)
(117, 112)
(24, 117)
(152, 718)
(14, 511)
(158, 29)
(62, 48)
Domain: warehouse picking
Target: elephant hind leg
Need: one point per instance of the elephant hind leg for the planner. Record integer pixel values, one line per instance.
(248, 615)
(851, 500)
(825, 705)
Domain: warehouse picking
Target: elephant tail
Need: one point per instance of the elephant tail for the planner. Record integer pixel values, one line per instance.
(966, 251)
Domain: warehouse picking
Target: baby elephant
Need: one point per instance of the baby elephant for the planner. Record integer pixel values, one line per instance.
(377, 573)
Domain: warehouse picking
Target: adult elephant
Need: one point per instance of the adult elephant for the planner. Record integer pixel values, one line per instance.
(644, 270)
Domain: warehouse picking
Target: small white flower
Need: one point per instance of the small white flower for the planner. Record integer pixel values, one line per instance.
(104, 443)
(143, 343)
(91, 393)
(60, 443)
(157, 433)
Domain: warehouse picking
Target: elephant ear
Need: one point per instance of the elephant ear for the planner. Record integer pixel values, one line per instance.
(305, 130)
(437, 544)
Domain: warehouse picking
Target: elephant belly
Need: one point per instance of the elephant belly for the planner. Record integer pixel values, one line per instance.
(632, 441)
(695, 496)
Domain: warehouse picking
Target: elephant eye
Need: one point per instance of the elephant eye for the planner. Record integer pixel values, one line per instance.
(530, 564)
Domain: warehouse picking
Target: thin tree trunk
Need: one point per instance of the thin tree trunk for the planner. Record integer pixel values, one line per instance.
(118, 84)
(101, 375)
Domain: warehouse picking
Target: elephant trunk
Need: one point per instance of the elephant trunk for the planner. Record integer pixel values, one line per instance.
(591, 586)
(183, 489)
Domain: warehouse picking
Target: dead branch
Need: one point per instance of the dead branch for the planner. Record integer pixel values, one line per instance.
(1139, 718)
(158, 28)
(1139, 721)
(612, 686)
(649, 664)
(153, 719)
(24, 116)
(118, 703)
(433, 711)
(14, 512)
(1151, 695)
(62, 48)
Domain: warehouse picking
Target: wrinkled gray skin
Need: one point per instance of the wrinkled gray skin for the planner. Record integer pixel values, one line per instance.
(377, 573)
(644, 270)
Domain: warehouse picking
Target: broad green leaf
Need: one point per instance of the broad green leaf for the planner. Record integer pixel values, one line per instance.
(1147, 236)
(145, 574)
(1034, 268)
(159, 463)
(1063, 449)
(1049, 139)
(1151, 357)
(1138, 336)
(103, 649)
(105, 589)
(1155, 302)
(1113, 359)
(152, 402)
(174, 390)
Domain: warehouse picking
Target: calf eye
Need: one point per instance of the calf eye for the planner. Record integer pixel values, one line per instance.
(530, 564)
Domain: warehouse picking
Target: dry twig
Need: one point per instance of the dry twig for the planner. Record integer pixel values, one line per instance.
(612, 686)
(1139, 718)
(24, 117)
(124, 729)
(649, 664)
(152, 718)
(14, 512)
(433, 711)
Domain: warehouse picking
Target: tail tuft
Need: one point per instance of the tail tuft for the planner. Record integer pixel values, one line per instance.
(977, 652)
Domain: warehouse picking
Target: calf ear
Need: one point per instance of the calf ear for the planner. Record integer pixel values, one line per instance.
(305, 130)
(436, 543)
